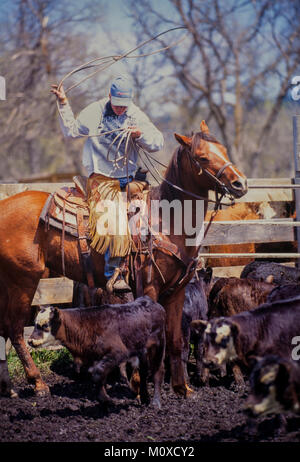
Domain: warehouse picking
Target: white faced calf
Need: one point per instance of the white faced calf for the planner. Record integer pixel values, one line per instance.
(102, 338)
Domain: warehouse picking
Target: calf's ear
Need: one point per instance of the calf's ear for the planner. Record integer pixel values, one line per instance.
(198, 326)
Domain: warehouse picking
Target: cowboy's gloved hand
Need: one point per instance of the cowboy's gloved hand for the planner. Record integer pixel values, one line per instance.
(135, 132)
(59, 93)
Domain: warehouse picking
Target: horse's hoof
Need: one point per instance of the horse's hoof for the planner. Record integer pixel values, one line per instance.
(156, 403)
(180, 390)
(42, 391)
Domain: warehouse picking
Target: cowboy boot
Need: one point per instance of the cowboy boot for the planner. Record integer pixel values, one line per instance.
(116, 283)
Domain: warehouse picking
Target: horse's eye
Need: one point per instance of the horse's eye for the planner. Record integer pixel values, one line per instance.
(203, 159)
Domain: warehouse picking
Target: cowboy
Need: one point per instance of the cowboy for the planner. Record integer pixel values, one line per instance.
(110, 159)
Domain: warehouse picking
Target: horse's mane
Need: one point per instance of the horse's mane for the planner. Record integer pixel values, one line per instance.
(172, 174)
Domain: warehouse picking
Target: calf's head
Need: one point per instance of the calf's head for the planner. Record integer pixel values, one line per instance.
(272, 390)
(46, 325)
(219, 338)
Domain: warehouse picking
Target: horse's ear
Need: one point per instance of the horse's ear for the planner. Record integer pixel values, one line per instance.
(203, 127)
(184, 140)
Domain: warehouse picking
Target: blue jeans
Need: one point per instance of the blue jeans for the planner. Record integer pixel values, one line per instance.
(111, 263)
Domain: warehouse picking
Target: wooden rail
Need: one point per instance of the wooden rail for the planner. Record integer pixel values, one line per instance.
(253, 195)
(53, 290)
(245, 231)
(267, 194)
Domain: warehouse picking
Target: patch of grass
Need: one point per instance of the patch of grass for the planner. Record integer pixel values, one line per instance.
(42, 358)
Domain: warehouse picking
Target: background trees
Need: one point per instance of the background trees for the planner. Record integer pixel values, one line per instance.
(234, 69)
(40, 40)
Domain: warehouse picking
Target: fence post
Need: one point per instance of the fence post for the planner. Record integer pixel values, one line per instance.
(296, 137)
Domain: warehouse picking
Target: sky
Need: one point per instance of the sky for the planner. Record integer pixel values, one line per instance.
(114, 35)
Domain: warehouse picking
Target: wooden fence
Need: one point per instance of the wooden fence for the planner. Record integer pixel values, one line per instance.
(278, 229)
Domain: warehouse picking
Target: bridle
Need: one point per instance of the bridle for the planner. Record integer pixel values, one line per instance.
(221, 189)
(219, 185)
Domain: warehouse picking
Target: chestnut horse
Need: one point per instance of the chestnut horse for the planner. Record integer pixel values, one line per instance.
(27, 248)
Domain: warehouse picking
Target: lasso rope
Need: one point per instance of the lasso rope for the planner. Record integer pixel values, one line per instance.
(110, 60)
(107, 61)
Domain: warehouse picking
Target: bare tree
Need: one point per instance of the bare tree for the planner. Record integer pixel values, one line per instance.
(239, 54)
(41, 40)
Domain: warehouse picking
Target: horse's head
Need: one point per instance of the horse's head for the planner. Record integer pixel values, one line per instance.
(209, 159)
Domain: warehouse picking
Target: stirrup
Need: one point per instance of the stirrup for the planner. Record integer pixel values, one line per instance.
(117, 283)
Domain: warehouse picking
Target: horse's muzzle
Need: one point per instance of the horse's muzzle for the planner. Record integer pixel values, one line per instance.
(239, 187)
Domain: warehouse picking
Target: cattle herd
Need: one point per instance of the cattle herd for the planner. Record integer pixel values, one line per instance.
(252, 327)
(248, 327)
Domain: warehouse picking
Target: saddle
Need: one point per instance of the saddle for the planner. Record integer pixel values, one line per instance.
(67, 210)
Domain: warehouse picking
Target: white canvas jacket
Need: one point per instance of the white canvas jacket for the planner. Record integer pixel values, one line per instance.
(99, 117)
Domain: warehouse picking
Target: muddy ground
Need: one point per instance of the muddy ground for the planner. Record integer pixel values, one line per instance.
(73, 414)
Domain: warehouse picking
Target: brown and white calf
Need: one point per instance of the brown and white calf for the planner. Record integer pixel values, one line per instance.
(275, 386)
(230, 296)
(106, 336)
(268, 329)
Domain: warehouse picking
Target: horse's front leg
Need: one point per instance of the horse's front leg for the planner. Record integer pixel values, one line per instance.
(33, 375)
(173, 307)
(19, 307)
